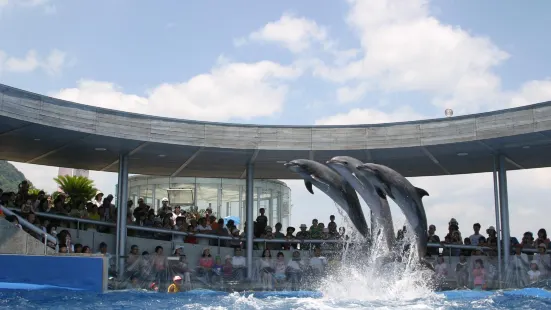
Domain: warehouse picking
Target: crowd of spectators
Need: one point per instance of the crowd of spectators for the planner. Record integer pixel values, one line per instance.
(147, 271)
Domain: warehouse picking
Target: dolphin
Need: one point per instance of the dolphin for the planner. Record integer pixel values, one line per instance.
(375, 198)
(331, 183)
(406, 196)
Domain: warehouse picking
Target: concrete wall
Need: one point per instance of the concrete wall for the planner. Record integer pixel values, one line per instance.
(27, 106)
(192, 251)
(14, 240)
(75, 272)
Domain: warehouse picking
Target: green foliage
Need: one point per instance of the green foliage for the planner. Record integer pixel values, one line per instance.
(10, 177)
(78, 188)
(35, 191)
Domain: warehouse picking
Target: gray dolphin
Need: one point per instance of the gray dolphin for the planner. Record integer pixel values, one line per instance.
(406, 196)
(375, 198)
(334, 185)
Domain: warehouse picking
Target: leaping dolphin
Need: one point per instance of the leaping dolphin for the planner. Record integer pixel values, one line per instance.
(335, 186)
(406, 196)
(374, 197)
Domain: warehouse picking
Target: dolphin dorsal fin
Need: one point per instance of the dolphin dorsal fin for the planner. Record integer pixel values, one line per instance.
(309, 186)
(421, 192)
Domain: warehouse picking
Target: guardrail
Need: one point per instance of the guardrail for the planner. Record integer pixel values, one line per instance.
(217, 237)
(23, 222)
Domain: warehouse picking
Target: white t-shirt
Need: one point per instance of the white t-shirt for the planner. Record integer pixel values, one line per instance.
(474, 238)
(201, 228)
(318, 263)
(294, 265)
(441, 269)
(239, 261)
(534, 275)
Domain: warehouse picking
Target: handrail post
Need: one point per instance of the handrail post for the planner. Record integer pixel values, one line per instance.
(45, 243)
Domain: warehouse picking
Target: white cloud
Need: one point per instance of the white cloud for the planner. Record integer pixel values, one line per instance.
(294, 33)
(52, 64)
(371, 116)
(30, 4)
(229, 91)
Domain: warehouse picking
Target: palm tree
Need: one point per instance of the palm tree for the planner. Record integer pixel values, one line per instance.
(77, 188)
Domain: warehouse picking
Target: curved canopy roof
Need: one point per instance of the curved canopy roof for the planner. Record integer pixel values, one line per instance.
(42, 130)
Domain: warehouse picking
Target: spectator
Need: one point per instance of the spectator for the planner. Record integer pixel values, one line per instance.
(303, 234)
(239, 264)
(534, 272)
(433, 238)
(527, 240)
(211, 221)
(294, 270)
(176, 284)
(441, 270)
(262, 220)
(63, 249)
(98, 199)
(206, 262)
(318, 263)
(462, 273)
(280, 268)
(476, 236)
(266, 270)
(289, 237)
(479, 275)
(176, 213)
(542, 238)
(190, 238)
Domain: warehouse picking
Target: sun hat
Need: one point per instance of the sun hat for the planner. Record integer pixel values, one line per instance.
(177, 278)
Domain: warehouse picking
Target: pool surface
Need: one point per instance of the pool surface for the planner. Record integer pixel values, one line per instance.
(66, 299)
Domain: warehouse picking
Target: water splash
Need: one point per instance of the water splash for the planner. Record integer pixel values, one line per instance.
(376, 274)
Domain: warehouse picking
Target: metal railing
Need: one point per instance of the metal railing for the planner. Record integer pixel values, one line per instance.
(39, 232)
(80, 221)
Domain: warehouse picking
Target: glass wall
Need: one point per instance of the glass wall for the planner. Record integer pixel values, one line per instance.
(226, 197)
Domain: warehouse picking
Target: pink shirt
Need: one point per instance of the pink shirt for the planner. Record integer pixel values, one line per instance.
(206, 262)
(478, 275)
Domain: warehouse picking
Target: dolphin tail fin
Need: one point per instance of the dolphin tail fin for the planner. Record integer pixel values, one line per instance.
(309, 187)
(421, 192)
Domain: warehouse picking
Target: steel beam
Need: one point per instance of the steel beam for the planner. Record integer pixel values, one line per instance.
(250, 221)
(187, 162)
(134, 151)
(251, 161)
(434, 160)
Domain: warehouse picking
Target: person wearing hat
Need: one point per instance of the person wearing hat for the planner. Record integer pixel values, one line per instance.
(98, 199)
(290, 236)
(534, 273)
(176, 285)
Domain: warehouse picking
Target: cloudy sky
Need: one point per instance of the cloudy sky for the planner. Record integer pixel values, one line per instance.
(295, 62)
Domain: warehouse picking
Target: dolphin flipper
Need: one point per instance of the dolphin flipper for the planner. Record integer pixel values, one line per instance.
(309, 187)
(386, 185)
(315, 178)
(380, 193)
(421, 192)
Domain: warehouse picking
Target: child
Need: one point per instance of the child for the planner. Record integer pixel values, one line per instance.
(441, 269)
(534, 272)
(176, 284)
(462, 273)
(227, 269)
(280, 268)
(479, 275)
(217, 269)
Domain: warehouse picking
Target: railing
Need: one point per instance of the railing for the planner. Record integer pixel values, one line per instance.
(80, 221)
(23, 222)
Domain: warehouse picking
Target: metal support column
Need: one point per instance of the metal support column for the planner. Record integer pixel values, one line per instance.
(498, 222)
(504, 207)
(250, 221)
(269, 212)
(122, 213)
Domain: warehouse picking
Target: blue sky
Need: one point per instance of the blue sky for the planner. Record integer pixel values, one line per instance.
(293, 62)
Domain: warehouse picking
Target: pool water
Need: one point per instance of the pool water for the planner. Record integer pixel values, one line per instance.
(202, 299)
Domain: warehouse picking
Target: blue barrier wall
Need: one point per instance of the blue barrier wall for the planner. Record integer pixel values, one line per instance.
(77, 272)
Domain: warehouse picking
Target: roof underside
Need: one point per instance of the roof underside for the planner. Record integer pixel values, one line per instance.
(46, 131)
(44, 145)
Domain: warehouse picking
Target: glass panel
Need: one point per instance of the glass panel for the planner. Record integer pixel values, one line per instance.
(230, 199)
(207, 196)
